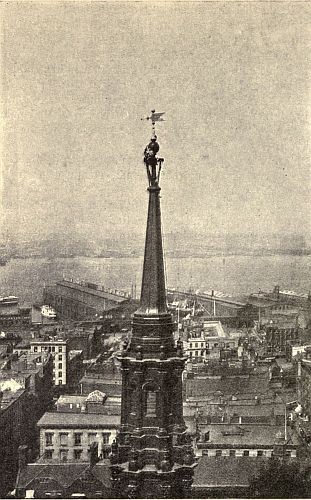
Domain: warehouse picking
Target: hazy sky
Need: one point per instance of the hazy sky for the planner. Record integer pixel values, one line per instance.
(233, 78)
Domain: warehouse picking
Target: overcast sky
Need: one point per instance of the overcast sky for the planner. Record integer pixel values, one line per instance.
(232, 77)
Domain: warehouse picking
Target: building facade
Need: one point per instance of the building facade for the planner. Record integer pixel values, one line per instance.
(68, 434)
(59, 352)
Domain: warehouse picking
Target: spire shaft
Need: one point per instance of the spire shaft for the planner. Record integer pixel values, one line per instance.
(153, 295)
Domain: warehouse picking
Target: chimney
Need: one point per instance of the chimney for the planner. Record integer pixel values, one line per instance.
(93, 454)
(22, 456)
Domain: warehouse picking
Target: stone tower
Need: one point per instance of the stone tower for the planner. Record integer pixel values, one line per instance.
(153, 455)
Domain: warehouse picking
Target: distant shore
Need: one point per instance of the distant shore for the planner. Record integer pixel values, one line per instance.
(173, 254)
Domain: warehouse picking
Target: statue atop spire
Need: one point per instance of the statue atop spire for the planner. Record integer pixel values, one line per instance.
(151, 150)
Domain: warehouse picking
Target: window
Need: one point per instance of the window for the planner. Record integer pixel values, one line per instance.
(35, 349)
(151, 403)
(53, 348)
(190, 345)
(60, 382)
(106, 436)
(78, 405)
(78, 438)
(218, 453)
(70, 406)
(60, 374)
(49, 438)
(77, 454)
(48, 454)
(260, 453)
(63, 455)
(207, 436)
(202, 353)
(60, 349)
(60, 365)
(190, 354)
(196, 344)
(231, 453)
(196, 353)
(60, 357)
(63, 438)
(246, 453)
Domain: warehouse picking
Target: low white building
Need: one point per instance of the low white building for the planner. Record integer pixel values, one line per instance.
(208, 343)
(68, 433)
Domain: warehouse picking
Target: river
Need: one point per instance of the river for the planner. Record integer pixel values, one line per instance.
(235, 274)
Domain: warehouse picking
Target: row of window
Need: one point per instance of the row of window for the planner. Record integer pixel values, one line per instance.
(48, 348)
(232, 453)
(196, 345)
(63, 454)
(195, 354)
(63, 438)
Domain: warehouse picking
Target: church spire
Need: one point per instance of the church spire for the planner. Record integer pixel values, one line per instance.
(153, 295)
(153, 455)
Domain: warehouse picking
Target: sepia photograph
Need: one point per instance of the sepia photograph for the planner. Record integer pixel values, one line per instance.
(155, 249)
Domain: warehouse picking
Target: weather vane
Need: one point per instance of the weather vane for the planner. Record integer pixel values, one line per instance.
(154, 117)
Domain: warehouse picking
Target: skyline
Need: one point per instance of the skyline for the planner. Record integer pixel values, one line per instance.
(78, 78)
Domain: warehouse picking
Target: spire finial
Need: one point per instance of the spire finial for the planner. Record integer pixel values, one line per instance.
(154, 117)
(150, 154)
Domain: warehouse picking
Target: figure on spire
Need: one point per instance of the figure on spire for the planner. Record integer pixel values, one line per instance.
(150, 153)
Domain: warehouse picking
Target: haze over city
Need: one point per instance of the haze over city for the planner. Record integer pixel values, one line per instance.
(236, 139)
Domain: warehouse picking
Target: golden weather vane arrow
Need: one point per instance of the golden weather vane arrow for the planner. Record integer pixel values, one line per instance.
(155, 117)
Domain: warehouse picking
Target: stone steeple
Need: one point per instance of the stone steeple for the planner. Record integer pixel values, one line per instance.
(153, 298)
(153, 455)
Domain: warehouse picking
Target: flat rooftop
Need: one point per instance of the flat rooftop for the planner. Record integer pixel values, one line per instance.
(95, 290)
(246, 435)
(78, 420)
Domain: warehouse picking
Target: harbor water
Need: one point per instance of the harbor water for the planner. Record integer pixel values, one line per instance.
(234, 274)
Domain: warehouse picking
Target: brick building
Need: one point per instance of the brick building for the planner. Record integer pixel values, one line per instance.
(25, 384)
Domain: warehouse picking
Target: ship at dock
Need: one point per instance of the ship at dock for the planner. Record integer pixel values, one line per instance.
(48, 312)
